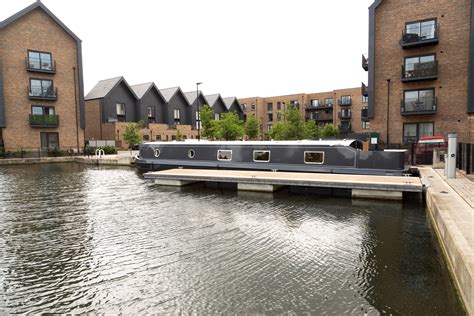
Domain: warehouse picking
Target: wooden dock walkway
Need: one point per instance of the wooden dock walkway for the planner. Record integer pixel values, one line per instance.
(383, 187)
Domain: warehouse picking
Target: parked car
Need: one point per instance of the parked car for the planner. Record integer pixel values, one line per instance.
(424, 148)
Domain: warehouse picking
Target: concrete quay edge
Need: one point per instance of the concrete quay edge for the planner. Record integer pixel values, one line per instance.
(107, 160)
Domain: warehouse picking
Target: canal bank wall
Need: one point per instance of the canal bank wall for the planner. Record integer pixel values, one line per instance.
(452, 217)
(109, 160)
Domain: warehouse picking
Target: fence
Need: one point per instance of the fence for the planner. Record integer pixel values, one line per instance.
(465, 157)
(101, 143)
(38, 152)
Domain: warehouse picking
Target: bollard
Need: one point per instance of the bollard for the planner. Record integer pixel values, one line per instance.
(450, 160)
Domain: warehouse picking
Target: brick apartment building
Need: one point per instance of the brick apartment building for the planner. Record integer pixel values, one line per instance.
(342, 108)
(421, 69)
(113, 103)
(41, 85)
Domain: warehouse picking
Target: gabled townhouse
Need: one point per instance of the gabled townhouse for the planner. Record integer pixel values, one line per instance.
(194, 101)
(178, 107)
(41, 83)
(233, 105)
(217, 104)
(152, 106)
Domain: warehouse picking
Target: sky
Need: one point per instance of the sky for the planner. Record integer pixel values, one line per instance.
(242, 48)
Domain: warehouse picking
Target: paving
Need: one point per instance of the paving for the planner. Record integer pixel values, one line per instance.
(364, 182)
(453, 219)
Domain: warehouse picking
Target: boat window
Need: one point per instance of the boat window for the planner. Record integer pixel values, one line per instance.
(191, 153)
(157, 152)
(315, 157)
(225, 155)
(261, 155)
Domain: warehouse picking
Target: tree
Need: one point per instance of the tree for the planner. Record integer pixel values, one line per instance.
(132, 134)
(229, 127)
(208, 126)
(252, 127)
(294, 124)
(311, 130)
(278, 131)
(179, 135)
(330, 131)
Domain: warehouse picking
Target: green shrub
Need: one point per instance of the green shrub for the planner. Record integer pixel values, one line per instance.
(55, 152)
(109, 150)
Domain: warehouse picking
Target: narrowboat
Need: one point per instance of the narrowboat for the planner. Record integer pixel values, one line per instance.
(325, 156)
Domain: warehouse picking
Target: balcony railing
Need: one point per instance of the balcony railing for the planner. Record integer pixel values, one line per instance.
(320, 116)
(365, 63)
(364, 90)
(344, 115)
(345, 129)
(421, 71)
(37, 120)
(364, 115)
(36, 65)
(344, 102)
(423, 106)
(42, 94)
(411, 40)
(320, 106)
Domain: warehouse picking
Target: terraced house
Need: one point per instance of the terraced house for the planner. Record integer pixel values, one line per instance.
(113, 103)
(420, 69)
(41, 83)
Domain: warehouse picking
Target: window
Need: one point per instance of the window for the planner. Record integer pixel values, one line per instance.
(146, 137)
(328, 102)
(191, 153)
(270, 117)
(176, 114)
(269, 127)
(345, 100)
(279, 106)
(269, 106)
(42, 110)
(365, 125)
(49, 140)
(295, 103)
(42, 88)
(314, 157)
(413, 131)
(261, 155)
(216, 116)
(365, 99)
(244, 106)
(157, 137)
(345, 113)
(314, 103)
(157, 152)
(423, 29)
(419, 100)
(173, 137)
(40, 60)
(419, 66)
(252, 107)
(224, 155)
(120, 112)
(278, 116)
(151, 112)
(198, 116)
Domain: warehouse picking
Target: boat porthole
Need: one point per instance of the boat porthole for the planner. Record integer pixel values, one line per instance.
(191, 153)
(157, 152)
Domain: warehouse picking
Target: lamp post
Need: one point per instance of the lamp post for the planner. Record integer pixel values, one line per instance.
(388, 111)
(198, 118)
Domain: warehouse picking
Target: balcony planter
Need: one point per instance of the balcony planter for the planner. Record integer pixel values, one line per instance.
(44, 120)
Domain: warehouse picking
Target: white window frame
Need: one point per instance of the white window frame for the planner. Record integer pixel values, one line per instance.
(122, 105)
(217, 116)
(176, 117)
(255, 151)
(219, 150)
(312, 152)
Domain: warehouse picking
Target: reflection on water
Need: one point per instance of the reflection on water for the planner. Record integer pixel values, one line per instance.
(79, 239)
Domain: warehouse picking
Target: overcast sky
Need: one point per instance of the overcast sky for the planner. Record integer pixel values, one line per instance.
(240, 48)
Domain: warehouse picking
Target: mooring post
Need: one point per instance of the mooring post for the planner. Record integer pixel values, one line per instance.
(451, 159)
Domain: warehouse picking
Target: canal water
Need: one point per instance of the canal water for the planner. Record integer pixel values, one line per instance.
(81, 239)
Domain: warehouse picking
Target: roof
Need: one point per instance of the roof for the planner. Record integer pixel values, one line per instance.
(212, 98)
(103, 88)
(33, 6)
(191, 96)
(321, 142)
(141, 89)
(229, 101)
(168, 93)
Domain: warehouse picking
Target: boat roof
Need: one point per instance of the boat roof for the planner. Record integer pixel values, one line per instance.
(321, 142)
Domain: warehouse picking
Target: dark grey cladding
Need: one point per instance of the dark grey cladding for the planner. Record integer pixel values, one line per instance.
(371, 86)
(470, 93)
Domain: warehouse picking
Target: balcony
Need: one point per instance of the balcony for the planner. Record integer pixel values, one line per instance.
(344, 115)
(320, 106)
(365, 63)
(364, 90)
(322, 116)
(412, 40)
(43, 94)
(364, 115)
(420, 72)
(425, 106)
(344, 102)
(44, 121)
(345, 129)
(36, 65)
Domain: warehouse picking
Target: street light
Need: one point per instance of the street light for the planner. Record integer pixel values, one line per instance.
(198, 118)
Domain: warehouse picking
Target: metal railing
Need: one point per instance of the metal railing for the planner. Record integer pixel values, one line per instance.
(418, 106)
(345, 102)
(365, 63)
(36, 64)
(37, 120)
(39, 152)
(421, 71)
(42, 94)
(364, 89)
(418, 39)
(344, 114)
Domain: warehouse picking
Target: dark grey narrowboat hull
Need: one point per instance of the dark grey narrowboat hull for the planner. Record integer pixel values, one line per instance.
(337, 159)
